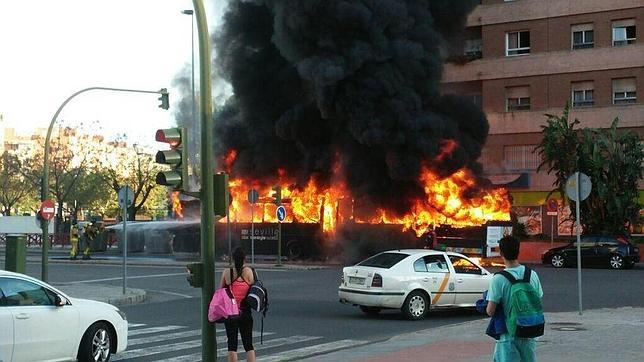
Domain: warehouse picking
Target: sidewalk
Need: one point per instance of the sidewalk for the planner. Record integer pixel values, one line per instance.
(597, 335)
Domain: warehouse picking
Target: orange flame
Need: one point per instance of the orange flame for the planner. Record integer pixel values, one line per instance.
(229, 159)
(176, 205)
(444, 202)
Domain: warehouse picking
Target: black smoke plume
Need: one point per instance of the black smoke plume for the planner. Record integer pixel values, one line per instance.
(319, 83)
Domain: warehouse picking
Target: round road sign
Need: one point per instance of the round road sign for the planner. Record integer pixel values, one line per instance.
(584, 186)
(126, 196)
(281, 213)
(553, 205)
(47, 209)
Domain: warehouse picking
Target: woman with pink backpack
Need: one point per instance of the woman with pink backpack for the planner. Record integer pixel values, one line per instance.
(239, 280)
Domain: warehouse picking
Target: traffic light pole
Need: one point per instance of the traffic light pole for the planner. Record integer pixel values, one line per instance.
(208, 338)
(44, 189)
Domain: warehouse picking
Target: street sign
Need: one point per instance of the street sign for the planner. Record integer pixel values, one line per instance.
(584, 186)
(552, 207)
(253, 196)
(281, 213)
(47, 209)
(126, 197)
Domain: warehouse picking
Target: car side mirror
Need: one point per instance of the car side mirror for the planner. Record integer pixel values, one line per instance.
(59, 301)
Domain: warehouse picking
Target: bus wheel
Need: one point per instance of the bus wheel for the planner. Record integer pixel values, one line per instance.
(294, 250)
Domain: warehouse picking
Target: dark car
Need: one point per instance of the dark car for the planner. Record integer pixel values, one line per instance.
(608, 251)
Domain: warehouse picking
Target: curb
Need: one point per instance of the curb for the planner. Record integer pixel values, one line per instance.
(104, 293)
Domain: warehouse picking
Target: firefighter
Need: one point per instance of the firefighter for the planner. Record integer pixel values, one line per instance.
(73, 240)
(89, 232)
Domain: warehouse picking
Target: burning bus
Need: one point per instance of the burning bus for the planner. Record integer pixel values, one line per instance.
(325, 222)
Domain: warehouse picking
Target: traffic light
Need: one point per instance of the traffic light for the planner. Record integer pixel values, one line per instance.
(195, 274)
(176, 157)
(277, 195)
(222, 194)
(164, 99)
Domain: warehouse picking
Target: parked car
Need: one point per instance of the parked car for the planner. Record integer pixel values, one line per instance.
(414, 281)
(41, 323)
(607, 251)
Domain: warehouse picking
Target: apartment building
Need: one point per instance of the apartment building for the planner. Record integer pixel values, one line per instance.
(526, 58)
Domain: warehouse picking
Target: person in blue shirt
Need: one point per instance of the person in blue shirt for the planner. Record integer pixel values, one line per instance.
(508, 347)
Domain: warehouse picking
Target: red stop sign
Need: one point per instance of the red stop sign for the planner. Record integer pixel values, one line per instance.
(47, 209)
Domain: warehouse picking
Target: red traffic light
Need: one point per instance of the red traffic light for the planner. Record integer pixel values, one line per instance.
(170, 135)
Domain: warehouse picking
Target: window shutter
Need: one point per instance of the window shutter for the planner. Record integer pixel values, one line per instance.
(582, 27)
(517, 92)
(585, 85)
(623, 23)
(624, 85)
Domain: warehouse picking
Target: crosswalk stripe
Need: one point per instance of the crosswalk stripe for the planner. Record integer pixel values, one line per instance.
(162, 337)
(135, 325)
(312, 350)
(137, 332)
(176, 335)
(271, 343)
(173, 347)
(148, 351)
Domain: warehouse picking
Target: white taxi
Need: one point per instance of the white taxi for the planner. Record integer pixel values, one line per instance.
(413, 280)
(40, 323)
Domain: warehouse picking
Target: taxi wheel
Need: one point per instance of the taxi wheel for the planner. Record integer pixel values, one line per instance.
(416, 305)
(370, 310)
(96, 344)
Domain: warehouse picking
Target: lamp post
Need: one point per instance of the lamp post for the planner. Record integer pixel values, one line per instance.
(192, 64)
(44, 193)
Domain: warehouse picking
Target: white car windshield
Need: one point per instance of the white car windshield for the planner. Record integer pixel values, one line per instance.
(384, 260)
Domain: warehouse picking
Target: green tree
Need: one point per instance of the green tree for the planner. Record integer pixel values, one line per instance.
(613, 160)
(138, 170)
(14, 189)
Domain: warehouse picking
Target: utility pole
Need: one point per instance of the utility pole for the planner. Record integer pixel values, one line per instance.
(208, 338)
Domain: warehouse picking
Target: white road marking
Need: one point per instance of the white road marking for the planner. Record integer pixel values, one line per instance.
(135, 325)
(121, 278)
(162, 337)
(177, 335)
(137, 332)
(170, 293)
(149, 351)
(300, 353)
(271, 343)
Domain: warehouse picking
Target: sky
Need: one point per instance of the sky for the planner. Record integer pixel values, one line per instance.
(52, 49)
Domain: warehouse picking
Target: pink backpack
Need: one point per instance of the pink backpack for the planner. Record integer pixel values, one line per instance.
(222, 306)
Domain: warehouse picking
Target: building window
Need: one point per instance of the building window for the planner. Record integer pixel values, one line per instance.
(517, 98)
(583, 36)
(477, 99)
(474, 48)
(582, 94)
(517, 43)
(624, 32)
(624, 91)
(521, 157)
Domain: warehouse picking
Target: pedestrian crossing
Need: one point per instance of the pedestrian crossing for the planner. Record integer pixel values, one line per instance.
(173, 343)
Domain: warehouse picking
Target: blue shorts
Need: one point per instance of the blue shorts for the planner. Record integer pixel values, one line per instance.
(516, 350)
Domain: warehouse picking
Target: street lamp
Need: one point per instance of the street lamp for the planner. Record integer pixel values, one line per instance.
(192, 42)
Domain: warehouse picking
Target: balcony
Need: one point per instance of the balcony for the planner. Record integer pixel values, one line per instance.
(566, 61)
(630, 116)
(540, 9)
